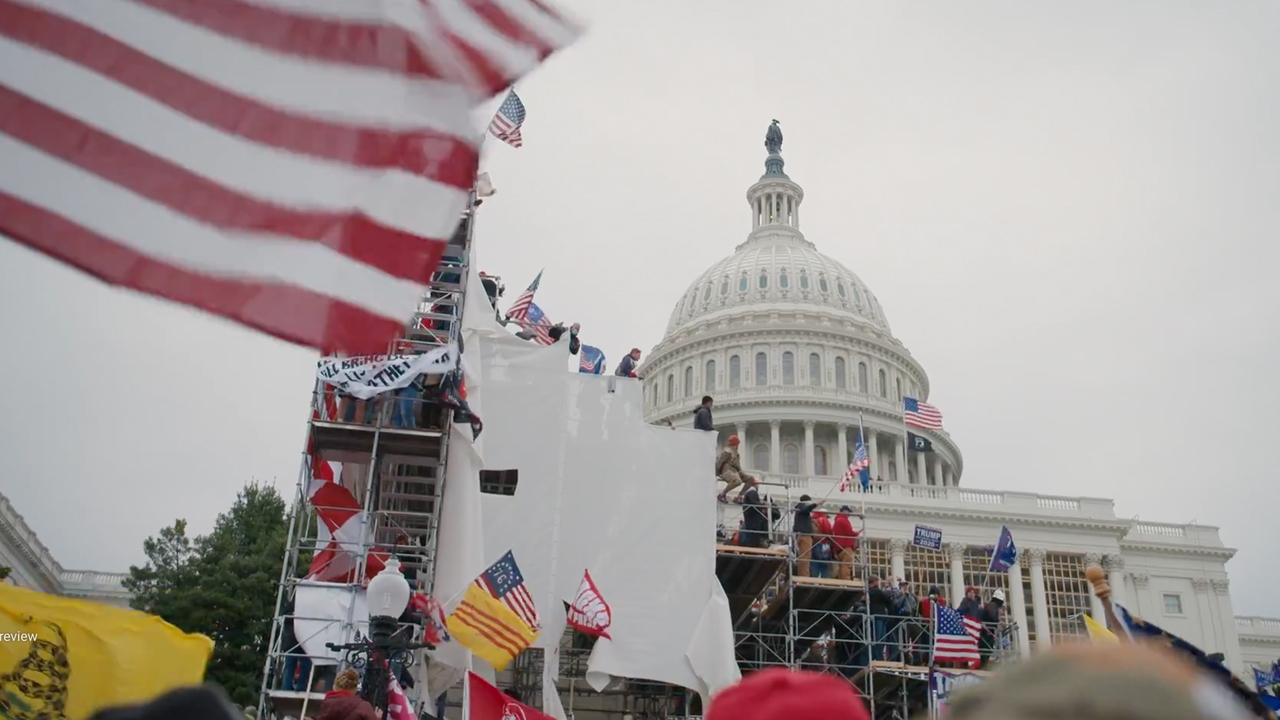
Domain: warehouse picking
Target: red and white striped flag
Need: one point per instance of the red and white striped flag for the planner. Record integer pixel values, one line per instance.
(294, 165)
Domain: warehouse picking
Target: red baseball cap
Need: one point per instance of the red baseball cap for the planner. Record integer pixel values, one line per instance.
(780, 694)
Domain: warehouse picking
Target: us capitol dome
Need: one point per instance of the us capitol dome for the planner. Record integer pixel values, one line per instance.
(793, 346)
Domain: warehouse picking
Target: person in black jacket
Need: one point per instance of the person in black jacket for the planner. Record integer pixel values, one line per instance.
(555, 332)
(702, 415)
(803, 529)
(990, 617)
(756, 516)
(880, 606)
(971, 605)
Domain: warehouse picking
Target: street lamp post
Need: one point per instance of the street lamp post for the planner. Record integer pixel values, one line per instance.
(387, 596)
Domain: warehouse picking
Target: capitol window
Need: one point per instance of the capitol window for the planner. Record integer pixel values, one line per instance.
(819, 460)
(788, 368)
(724, 286)
(782, 279)
(862, 377)
(742, 284)
(1172, 604)
(762, 369)
(688, 381)
(841, 382)
(804, 280)
(764, 280)
(671, 388)
(884, 385)
(790, 459)
(709, 383)
(840, 288)
(815, 369)
(760, 457)
(707, 295)
(822, 284)
(735, 372)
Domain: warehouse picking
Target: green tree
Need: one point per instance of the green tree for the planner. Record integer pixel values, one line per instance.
(222, 585)
(4, 571)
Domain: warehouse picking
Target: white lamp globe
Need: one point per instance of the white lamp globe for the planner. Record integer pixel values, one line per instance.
(389, 592)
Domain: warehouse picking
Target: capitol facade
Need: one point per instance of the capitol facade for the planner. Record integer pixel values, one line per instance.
(797, 350)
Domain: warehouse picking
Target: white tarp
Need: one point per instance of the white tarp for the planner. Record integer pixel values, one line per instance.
(369, 375)
(598, 489)
(328, 613)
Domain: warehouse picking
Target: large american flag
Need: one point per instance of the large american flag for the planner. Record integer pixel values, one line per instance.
(520, 308)
(503, 581)
(507, 121)
(861, 461)
(956, 639)
(296, 166)
(918, 413)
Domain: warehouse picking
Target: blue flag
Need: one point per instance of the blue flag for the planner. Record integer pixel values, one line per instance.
(1005, 554)
(591, 360)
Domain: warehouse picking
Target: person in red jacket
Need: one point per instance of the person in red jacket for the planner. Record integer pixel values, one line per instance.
(845, 541)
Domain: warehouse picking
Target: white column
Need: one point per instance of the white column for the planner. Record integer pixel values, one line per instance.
(900, 448)
(808, 468)
(1096, 609)
(947, 478)
(744, 449)
(898, 559)
(1039, 600)
(956, 554)
(873, 452)
(775, 446)
(1018, 606)
(937, 471)
(922, 469)
(842, 451)
(1114, 565)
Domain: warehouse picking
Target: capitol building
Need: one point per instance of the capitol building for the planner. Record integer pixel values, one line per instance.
(795, 348)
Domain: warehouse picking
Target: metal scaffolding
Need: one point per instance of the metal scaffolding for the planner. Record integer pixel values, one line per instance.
(393, 452)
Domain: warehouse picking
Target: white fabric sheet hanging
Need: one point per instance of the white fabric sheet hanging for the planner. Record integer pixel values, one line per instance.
(633, 504)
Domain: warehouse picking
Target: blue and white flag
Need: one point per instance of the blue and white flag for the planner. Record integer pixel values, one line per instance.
(591, 360)
(1005, 554)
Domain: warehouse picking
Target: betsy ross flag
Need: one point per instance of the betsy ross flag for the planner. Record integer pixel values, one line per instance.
(860, 468)
(591, 360)
(520, 308)
(589, 612)
(538, 324)
(496, 618)
(956, 639)
(918, 413)
(252, 159)
(507, 121)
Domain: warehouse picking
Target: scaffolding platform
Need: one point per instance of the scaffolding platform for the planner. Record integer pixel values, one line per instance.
(816, 594)
(288, 703)
(744, 572)
(334, 439)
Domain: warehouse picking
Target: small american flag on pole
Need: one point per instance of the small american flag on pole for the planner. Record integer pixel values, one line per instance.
(538, 323)
(504, 582)
(861, 461)
(296, 167)
(918, 413)
(956, 639)
(520, 308)
(507, 121)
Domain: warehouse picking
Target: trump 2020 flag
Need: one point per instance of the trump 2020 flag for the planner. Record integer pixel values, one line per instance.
(1005, 554)
(591, 360)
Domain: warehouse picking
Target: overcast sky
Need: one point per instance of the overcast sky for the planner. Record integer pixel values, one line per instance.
(1067, 210)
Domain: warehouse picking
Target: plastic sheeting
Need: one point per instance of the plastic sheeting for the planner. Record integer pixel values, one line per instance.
(328, 613)
(598, 488)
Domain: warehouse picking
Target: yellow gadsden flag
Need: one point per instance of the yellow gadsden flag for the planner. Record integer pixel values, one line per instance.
(1098, 632)
(77, 657)
(488, 628)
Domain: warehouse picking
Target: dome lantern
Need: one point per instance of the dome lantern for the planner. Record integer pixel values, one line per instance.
(775, 199)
